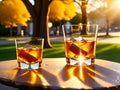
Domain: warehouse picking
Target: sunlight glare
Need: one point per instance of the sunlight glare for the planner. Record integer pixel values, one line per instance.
(117, 4)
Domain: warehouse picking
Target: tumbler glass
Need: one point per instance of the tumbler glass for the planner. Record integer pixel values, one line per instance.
(29, 52)
(80, 43)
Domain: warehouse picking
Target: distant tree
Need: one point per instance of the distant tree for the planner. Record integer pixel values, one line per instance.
(12, 13)
(111, 8)
(61, 12)
(114, 12)
(109, 12)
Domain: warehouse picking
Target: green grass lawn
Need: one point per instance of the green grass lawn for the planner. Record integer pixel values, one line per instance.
(105, 51)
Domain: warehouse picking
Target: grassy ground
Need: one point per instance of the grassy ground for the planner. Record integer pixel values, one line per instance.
(105, 51)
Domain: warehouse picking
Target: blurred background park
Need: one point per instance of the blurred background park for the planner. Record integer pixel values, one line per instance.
(43, 18)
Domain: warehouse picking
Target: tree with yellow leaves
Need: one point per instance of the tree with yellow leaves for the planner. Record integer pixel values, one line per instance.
(13, 12)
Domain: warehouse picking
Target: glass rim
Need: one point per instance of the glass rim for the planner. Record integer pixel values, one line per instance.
(23, 40)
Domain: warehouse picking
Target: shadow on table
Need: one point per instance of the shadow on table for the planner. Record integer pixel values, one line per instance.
(37, 79)
(93, 76)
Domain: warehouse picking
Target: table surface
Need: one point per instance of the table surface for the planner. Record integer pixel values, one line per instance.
(54, 73)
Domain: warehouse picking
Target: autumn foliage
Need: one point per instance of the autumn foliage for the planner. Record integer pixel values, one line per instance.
(13, 12)
(61, 10)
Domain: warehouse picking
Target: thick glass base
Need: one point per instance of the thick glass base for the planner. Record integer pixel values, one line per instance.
(73, 62)
(29, 66)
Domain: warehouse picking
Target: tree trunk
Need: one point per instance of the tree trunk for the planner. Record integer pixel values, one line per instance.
(44, 23)
(39, 15)
(84, 16)
(40, 23)
(107, 26)
(109, 2)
